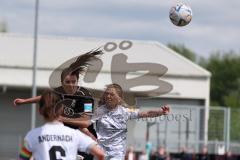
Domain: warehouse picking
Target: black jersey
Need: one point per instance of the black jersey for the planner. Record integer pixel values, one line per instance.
(81, 91)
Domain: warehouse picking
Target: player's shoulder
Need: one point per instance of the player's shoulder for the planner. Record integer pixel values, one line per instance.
(122, 108)
(76, 133)
(83, 91)
(127, 109)
(64, 128)
(59, 90)
(69, 129)
(34, 132)
(101, 106)
(60, 128)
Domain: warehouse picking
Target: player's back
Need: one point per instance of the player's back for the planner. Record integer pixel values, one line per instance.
(55, 141)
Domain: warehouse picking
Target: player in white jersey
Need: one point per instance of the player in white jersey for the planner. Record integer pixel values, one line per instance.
(53, 140)
(112, 130)
(112, 116)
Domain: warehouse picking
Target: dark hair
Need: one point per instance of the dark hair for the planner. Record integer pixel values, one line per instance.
(67, 72)
(50, 106)
(81, 63)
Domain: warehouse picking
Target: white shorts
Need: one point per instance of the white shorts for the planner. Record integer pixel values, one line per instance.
(114, 158)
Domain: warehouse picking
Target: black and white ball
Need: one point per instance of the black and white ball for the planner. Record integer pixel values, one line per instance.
(180, 14)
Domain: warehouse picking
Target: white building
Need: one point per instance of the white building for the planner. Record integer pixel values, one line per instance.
(191, 83)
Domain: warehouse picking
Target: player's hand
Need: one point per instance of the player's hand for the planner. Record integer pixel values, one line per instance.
(165, 109)
(18, 101)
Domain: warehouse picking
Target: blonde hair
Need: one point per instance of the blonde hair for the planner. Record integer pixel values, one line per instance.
(119, 92)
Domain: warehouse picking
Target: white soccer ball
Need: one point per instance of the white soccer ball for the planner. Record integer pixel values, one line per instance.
(180, 14)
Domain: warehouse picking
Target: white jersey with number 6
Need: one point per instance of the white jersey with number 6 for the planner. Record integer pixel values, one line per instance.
(54, 141)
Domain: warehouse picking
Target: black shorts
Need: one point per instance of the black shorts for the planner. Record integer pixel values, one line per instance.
(86, 156)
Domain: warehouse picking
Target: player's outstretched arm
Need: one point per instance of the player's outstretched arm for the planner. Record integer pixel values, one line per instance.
(154, 113)
(20, 101)
(97, 152)
(79, 122)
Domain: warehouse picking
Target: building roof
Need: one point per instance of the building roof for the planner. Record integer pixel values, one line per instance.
(17, 57)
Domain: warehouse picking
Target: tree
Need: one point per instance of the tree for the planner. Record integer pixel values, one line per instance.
(225, 87)
(225, 83)
(3, 26)
(225, 90)
(182, 50)
(225, 69)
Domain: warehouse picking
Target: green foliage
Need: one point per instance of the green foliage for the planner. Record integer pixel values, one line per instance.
(225, 69)
(3, 26)
(216, 125)
(235, 125)
(224, 91)
(181, 49)
(232, 99)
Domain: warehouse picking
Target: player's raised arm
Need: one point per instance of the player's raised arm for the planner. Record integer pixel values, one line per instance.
(154, 113)
(20, 101)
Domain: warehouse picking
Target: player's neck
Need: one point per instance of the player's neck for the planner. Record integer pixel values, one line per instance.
(112, 108)
(54, 122)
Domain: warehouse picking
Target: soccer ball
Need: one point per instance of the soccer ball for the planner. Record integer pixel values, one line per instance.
(180, 14)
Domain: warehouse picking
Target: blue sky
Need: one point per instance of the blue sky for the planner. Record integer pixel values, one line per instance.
(215, 24)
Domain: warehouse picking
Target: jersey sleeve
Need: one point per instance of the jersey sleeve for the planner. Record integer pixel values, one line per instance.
(132, 113)
(25, 154)
(28, 142)
(84, 142)
(98, 113)
(26, 150)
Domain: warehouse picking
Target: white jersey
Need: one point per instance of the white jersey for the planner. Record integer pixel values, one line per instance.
(55, 141)
(112, 130)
